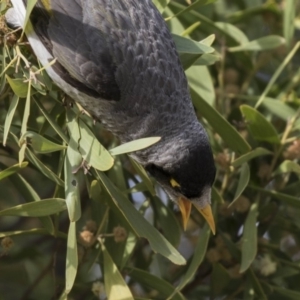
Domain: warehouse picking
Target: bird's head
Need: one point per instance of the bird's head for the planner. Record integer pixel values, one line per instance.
(187, 172)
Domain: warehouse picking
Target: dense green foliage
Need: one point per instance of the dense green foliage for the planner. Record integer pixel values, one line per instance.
(81, 220)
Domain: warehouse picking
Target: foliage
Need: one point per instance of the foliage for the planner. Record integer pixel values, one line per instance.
(75, 216)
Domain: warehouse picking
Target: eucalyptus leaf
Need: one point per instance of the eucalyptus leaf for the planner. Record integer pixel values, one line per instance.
(139, 225)
(286, 166)
(135, 145)
(71, 257)
(261, 44)
(19, 87)
(147, 279)
(115, 285)
(42, 145)
(250, 155)
(42, 208)
(259, 126)
(13, 169)
(249, 240)
(243, 182)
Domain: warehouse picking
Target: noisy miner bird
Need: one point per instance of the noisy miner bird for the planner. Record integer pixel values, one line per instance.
(118, 60)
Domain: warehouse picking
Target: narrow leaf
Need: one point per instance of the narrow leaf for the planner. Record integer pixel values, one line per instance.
(42, 208)
(139, 225)
(249, 240)
(248, 156)
(286, 167)
(259, 126)
(19, 87)
(153, 282)
(261, 44)
(71, 258)
(197, 259)
(228, 133)
(41, 144)
(9, 117)
(134, 145)
(13, 169)
(115, 286)
(243, 182)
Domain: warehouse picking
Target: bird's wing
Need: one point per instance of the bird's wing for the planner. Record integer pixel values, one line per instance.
(83, 59)
(109, 48)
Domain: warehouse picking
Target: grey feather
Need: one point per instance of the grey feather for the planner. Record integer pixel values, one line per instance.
(117, 58)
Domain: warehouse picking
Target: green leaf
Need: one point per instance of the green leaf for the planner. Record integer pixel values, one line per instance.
(201, 82)
(256, 285)
(147, 279)
(29, 8)
(233, 31)
(249, 240)
(261, 44)
(19, 87)
(43, 168)
(188, 46)
(138, 224)
(72, 193)
(13, 169)
(250, 155)
(42, 208)
(288, 21)
(207, 60)
(52, 122)
(259, 126)
(287, 167)
(279, 108)
(227, 132)
(161, 4)
(144, 176)
(276, 74)
(168, 222)
(89, 147)
(134, 145)
(220, 279)
(289, 294)
(286, 199)
(9, 117)
(243, 182)
(41, 144)
(199, 254)
(192, 6)
(71, 258)
(115, 286)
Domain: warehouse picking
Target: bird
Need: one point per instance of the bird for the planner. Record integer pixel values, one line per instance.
(118, 60)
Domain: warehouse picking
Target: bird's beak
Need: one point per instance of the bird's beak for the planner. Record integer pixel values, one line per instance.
(185, 207)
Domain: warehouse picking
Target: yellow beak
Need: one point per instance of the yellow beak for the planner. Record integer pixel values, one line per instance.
(185, 206)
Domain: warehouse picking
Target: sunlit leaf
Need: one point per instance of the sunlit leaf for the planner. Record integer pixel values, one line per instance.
(115, 285)
(19, 87)
(40, 144)
(42, 208)
(11, 170)
(134, 145)
(72, 257)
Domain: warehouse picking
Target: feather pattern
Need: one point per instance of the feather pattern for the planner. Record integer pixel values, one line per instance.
(118, 60)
